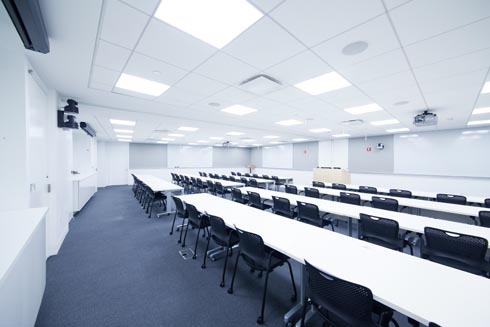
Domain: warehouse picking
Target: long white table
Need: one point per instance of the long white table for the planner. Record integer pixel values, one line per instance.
(266, 182)
(160, 185)
(406, 221)
(457, 209)
(420, 289)
(421, 194)
(226, 184)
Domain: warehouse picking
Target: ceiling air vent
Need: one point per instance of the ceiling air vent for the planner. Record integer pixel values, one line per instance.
(261, 84)
(353, 122)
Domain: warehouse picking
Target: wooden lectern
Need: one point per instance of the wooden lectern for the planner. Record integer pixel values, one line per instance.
(331, 175)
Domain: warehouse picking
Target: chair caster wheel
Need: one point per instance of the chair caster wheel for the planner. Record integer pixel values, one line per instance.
(203, 266)
(178, 241)
(260, 320)
(194, 257)
(230, 291)
(222, 284)
(171, 233)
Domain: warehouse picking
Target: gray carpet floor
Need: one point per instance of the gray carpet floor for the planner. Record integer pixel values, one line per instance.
(118, 268)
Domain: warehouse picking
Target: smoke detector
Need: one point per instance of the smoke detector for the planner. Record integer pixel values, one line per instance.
(261, 84)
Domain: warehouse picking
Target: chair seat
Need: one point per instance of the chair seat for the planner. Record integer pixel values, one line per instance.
(469, 266)
(277, 260)
(233, 239)
(242, 201)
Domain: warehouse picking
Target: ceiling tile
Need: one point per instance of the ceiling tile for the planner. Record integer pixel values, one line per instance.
(229, 96)
(287, 94)
(100, 87)
(346, 97)
(132, 93)
(419, 20)
(111, 56)
(377, 33)
(146, 67)
(320, 19)
(390, 4)
(101, 75)
(178, 97)
(453, 84)
(201, 85)
(299, 68)
(147, 6)
(264, 44)
(265, 5)
(115, 27)
(166, 43)
(224, 68)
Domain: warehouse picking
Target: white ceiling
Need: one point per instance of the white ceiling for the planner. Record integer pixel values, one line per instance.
(429, 53)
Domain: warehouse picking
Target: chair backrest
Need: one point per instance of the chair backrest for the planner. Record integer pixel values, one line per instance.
(211, 186)
(318, 184)
(433, 324)
(350, 198)
(312, 192)
(200, 173)
(309, 213)
(266, 177)
(291, 189)
(281, 205)
(347, 304)
(252, 182)
(233, 173)
(244, 180)
(218, 227)
(381, 231)
(384, 203)
(193, 213)
(338, 186)
(255, 175)
(199, 182)
(254, 199)
(368, 189)
(401, 193)
(238, 173)
(179, 206)
(253, 249)
(451, 198)
(236, 194)
(224, 177)
(219, 187)
(487, 203)
(193, 180)
(247, 175)
(484, 217)
(454, 249)
(204, 175)
(232, 178)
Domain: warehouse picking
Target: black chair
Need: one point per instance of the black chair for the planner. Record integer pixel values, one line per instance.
(401, 193)
(484, 218)
(312, 192)
(382, 231)
(368, 189)
(266, 177)
(262, 258)
(233, 173)
(277, 182)
(433, 324)
(291, 189)
(237, 196)
(350, 198)
(341, 303)
(487, 203)
(282, 207)
(155, 197)
(220, 190)
(195, 220)
(201, 186)
(181, 213)
(223, 236)
(238, 174)
(204, 175)
(255, 201)
(460, 251)
(200, 173)
(247, 175)
(211, 187)
(318, 184)
(232, 178)
(193, 184)
(253, 182)
(244, 181)
(310, 214)
(451, 198)
(384, 203)
(255, 175)
(337, 186)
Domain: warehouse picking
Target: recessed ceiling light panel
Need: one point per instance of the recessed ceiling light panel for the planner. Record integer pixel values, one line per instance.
(341, 135)
(141, 85)
(486, 88)
(238, 110)
(300, 140)
(271, 137)
(480, 111)
(397, 130)
(478, 122)
(359, 110)
(187, 129)
(234, 133)
(289, 122)
(176, 135)
(122, 122)
(215, 138)
(385, 122)
(320, 130)
(324, 83)
(117, 130)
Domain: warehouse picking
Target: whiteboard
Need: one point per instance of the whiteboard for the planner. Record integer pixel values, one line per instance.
(445, 153)
(188, 156)
(278, 156)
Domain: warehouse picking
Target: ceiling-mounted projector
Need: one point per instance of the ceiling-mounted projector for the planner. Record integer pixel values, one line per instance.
(425, 119)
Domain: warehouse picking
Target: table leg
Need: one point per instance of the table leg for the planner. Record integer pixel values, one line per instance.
(294, 314)
(349, 226)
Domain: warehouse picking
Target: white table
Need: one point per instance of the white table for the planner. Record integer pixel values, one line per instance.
(457, 209)
(406, 221)
(160, 185)
(418, 288)
(266, 182)
(226, 184)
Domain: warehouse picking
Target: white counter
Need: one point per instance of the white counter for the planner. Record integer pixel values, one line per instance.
(84, 187)
(22, 265)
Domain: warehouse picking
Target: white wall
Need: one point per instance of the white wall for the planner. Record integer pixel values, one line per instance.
(112, 163)
(84, 153)
(189, 156)
(278, 156)
(333, 153)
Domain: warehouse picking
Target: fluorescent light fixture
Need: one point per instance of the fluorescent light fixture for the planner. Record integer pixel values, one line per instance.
(215, 22)
(187, 129)
(249, 140)
(324, 83)
(256, 144)
(176, 135)
(162, 142)
(238, 110)
(215, 138)
(398, 130)
(479, 111)
(202, 141)
(167, 139)
(121, 136)
(385, 122)
(271, 137)
(408, 136)
(319, 130)
(117, 130)
(243, 146)
(289, 122)
(124, 140)
(192, 144)
(300, 140)
(480, 131)
(478, 122)
(341, 135)
(275, 142)
(141, 85)
(486, 88)
(359, 110)
(234, 133)
(122, 122)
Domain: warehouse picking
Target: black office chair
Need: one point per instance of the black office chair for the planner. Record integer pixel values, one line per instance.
(237, 196)
(204, 175)
(223, 236)
(266, 177)
(484, 218)
(195, 220)
(382, 231)
(277, 182)
(312, 192)
(211, 187)
(318, 184)
(460, 251)
(233, 173)
(200, 173)
(368, 189)
(220, 190)
(350, 198)
(247, 175)
(193, 184)
(262, 258)
(291, 189)
(433, 324)
(232, 178)
(255, 201)
(282, 207)
(253, 182)
(384, 203)
(224, 177)
(487, 203)
(155, 197)
(341, 303)
(310, 214)
(179, 212)
(255, 175)
(338, 186)
(400, 193)
(238, 174)
(451, 198)
(244, 181)
(201, 186)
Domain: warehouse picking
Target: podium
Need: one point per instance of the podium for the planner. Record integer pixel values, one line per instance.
(331, 175)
